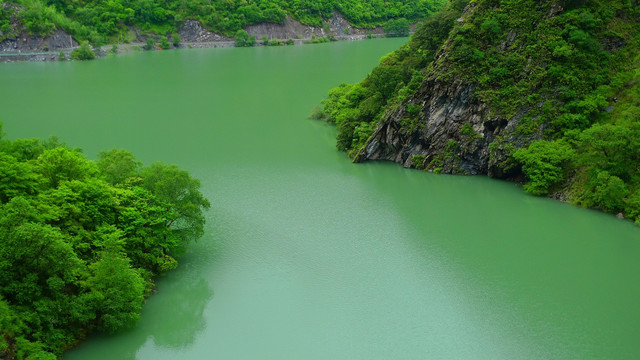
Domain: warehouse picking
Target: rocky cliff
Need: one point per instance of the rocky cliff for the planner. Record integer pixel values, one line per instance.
(454, 131)
(542, 92)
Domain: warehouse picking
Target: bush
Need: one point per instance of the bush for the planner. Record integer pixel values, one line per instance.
(83, 52)
(605, 192)
(164, 43)
(38, 18)
(275, 42)
(175, 38)
(319, 40)
(543, 163)
(243, 39)
(397, 28)
(150, 44)
(418, 161)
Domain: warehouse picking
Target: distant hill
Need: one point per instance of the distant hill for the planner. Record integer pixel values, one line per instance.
(102, 22)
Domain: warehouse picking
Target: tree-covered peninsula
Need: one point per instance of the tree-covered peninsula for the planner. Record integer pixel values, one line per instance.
(81, 241)
(542, 92)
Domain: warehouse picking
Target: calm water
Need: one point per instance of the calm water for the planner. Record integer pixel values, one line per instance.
(307, 256)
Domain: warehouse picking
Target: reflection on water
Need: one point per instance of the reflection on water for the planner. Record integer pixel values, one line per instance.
(171, 319)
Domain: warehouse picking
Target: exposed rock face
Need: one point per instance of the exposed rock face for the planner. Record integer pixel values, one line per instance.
(33, 43)
(25, 43)
(292, 29)
(452, 132)
(193, 31)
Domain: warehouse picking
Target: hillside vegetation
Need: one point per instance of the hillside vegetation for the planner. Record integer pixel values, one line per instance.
(101, 21)
(81, 241)
(557, 84)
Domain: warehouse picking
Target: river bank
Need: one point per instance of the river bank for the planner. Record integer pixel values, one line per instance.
(32, 48)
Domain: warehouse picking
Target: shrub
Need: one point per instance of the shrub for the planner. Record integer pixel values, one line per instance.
(275, 42)
(418, 161)
(38, 18)
(606, 192)
(150, 44)
(243, 39)
(83, 52)
(543, 164)
(175, 38)
(164, 43)
(397, 27)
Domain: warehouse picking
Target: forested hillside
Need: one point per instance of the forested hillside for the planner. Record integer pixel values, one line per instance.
(109, 21)
(81, 241)
(545, 92)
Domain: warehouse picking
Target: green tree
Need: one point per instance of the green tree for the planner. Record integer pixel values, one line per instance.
(150, 44)
(116, 287)
(397, 28)
(60, 164)
(543, 162)
(17, 178)
(182, 193)
(612, 147)
(36, 261)
(117, 165)
(83, 52)
(175, 38)
(243, 39)
(142, 218)
(605, 192)
(164, 43)
(80, 242)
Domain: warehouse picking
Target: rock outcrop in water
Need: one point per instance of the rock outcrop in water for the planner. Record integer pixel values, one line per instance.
(446, 109)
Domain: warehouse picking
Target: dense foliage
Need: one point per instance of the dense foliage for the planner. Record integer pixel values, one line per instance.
(81, 241)
(356, 108)
(5, 22)
(83, 52)
(109, 21)
(243, 39)
(397, 27)
(568, 71)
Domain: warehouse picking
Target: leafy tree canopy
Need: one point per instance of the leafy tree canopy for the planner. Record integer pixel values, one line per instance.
(80, 241)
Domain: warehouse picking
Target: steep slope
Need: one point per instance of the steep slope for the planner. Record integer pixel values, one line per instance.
(516, 89)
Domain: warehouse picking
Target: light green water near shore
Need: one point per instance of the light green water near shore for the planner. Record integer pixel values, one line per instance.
(307, 256)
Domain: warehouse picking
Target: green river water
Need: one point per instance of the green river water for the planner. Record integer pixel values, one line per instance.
(308, 256)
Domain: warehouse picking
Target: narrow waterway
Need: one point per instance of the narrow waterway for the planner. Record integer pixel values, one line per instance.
(308, 256)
